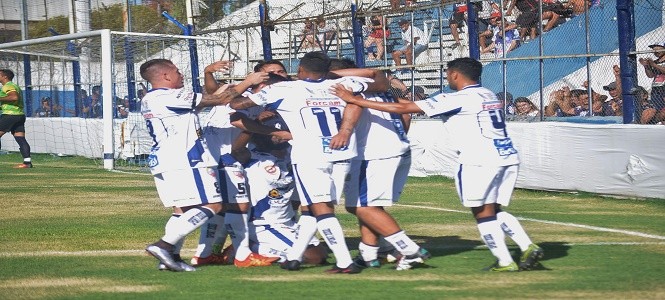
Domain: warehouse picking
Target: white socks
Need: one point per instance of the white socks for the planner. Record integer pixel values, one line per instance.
(211, 233)
(494, 237)
(236, 225)
(178, 227)
(305, 232)
(332, 233)
(402, 243)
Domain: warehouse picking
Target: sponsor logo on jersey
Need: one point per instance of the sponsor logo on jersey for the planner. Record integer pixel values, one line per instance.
(492, 105)
(324, 102)
(271, 169)
(239, 174)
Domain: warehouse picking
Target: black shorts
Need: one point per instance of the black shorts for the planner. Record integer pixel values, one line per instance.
(12, 123)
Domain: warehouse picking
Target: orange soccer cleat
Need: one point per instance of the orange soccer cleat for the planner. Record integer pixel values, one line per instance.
(23, 166)
(255, 260)
(212, 259)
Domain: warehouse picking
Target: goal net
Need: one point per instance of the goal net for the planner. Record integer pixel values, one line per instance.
(83, 91)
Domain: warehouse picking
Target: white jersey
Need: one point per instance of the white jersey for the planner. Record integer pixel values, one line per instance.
(270, 189)
(475, 119)
(380, 134)
(174, 127)
(313, 115)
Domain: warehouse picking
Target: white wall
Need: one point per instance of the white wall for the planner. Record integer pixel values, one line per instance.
(622, 160)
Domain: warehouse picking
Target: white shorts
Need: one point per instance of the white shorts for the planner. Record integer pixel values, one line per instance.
(274, 240)
(340, 174)
(377, 182)
(314, 183)
(232, 181)
(478, 185)
(189, 187)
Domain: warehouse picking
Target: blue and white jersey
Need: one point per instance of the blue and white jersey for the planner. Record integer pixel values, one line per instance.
(270, 189)
(174, 127)
(475, 120)
(313, 116)
(380, 134)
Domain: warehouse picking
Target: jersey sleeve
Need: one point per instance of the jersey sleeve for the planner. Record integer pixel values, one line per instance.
(268, 95)
(440, 105)
(183, 99)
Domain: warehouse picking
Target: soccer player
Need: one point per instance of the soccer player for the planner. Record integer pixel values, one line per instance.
(272, 228)
(219, 131)
(320, 137)
(376, 179)
(182, 166)
(13, 115)
(488, 161)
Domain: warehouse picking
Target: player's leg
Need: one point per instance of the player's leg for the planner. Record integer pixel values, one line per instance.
(371, 187)
(192, 190)
(531, 252)
(212, 237)
(315, 187)
(23, 146)
(479, 193)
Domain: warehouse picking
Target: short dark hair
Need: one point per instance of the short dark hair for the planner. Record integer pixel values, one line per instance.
(8, 73)
(262, 63)
(148, 67)
(341, 63)
(316, 62)
(469, 67)
(578, 92)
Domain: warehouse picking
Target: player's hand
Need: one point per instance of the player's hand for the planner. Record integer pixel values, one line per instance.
(616, 70)
(256, 77)
(343, 93)
(221, 65)
(340, 140)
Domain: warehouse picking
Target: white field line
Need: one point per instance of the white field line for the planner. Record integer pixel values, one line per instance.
(596, 228)
(142, 252)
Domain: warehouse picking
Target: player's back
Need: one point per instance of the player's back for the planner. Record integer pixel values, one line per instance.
(313, 115)
(380, 134)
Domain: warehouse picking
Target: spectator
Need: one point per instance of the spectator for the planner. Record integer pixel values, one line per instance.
(528, 19)
(45, 110)
(123, 108)
(647, 112)
(376, 37)
(415, 42)
(309, 36)
(504, 35)
(526, 111)
(92, 105)
(325, 31)
(508, 102)
(394, 4)
(486, 10)
(456, 21)
(559, 104)
(613, 106)
(656, 69)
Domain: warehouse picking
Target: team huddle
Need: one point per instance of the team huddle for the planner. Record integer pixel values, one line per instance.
(270, 145)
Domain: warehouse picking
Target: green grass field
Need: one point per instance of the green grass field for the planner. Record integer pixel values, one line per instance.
(72, 230)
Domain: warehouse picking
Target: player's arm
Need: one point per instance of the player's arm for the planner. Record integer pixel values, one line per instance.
(222, 96)
(209, 82)
(243, 122)
(349, 120)
(12, 95)
(380, 84)
(406, 118)
(398, 108)
(239, 149)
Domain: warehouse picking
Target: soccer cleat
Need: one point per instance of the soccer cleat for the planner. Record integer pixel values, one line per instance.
(351, 269)
(185, 267)
(375, 263)
(23, 166)
(255, 260)
(212, 259)
(530, 257)
(409, 261)
(290, 265)
(165, 257)
(512, 267)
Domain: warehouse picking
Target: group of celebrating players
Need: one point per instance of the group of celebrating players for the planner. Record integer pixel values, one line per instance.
(270, 142)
